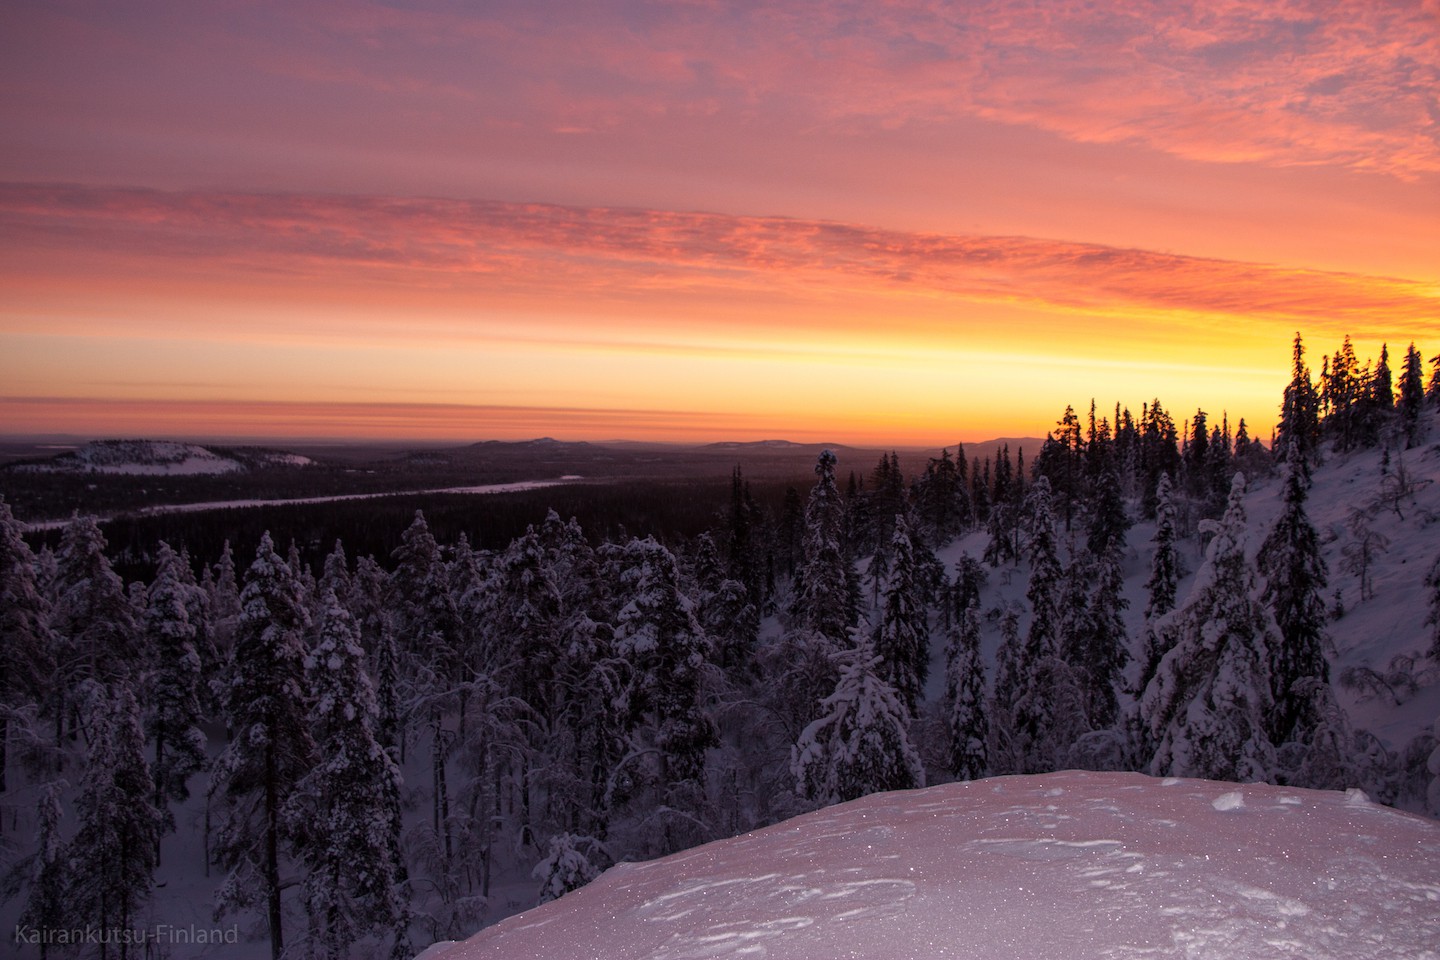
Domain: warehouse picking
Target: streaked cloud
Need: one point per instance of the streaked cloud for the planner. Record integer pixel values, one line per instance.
(552, 207)
(440, 421)
(1349, 83)
(543, 258)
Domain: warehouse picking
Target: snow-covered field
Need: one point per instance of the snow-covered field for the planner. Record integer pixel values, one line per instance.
(1063, 866)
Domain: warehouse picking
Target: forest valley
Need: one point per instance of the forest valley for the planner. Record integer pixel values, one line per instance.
(378, 752)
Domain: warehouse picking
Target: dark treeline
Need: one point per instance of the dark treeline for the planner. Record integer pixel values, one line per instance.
(671, 510)
(384, 727)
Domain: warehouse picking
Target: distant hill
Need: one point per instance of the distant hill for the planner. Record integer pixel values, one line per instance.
(169, 458)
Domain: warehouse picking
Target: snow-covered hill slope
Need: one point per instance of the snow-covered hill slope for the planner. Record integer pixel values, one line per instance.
(1064, 866)
(1396, 500)
(158, 458)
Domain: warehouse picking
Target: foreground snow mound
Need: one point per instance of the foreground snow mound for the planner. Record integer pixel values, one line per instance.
(1062, 866)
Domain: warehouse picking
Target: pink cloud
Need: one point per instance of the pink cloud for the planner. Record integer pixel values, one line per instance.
(1351, 84)
(539, 256)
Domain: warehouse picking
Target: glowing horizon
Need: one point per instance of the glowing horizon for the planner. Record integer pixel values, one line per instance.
(878, 224)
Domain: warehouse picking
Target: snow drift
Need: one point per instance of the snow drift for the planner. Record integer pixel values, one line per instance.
(1062, 866)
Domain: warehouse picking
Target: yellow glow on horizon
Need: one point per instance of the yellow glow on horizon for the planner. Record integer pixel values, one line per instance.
(670, 326)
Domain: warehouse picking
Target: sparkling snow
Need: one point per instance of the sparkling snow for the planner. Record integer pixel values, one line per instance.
(1061, 866)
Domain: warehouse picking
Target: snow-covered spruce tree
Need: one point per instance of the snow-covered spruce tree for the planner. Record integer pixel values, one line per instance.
(965, 590)
(1101, 647)
(1108, 522)
(966, 717)
(942, 498)
(744, 563)
(1295, 586)
(110, 862)
(377, 636)
(423, 604)
(1047, 710)
(861, 742)
(591, 718)
(566, 866)
(1206, 709)
(823, 601)
(902, 640)
(1002, 747)
(1410, 405)
(347, 808)
(26, 646)
(223, 614)
(656, 631)
(1046, 576)
(431, 657)
(724, 609)
(799, 669)
(596, 724)
(174, 702)
(225, 600)
(195, 595)
(1072, 607)
(46, 907)
(335, 577)
(1003, 523)
(97, 629)
(1164, 580)
(521, 645)
(268, 708)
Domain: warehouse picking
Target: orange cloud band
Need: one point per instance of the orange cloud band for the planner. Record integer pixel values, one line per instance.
(544, 255)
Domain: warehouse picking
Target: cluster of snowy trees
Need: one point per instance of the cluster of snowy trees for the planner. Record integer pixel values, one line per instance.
(374, 744)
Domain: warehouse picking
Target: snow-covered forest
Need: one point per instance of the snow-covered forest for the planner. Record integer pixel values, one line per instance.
(383, 752)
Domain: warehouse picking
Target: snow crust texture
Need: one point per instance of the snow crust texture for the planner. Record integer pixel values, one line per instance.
(1060, 866)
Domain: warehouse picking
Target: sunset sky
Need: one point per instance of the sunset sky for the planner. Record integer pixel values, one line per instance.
(902, 222)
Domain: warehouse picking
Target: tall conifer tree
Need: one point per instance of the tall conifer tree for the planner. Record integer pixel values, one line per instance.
(1208, 706)
(1411, 402)
(112, 857)
(175, 717)
(1164, 580)
(268, 707)
(823, 602)
(27, 655)
(347, 808)
(1296, 578)
(966, 716)
(902, 640)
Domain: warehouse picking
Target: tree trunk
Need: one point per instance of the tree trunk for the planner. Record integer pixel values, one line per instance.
(272, 854)
(160, 802)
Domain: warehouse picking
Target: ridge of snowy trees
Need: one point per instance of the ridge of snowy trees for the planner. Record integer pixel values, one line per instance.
(379, 745)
